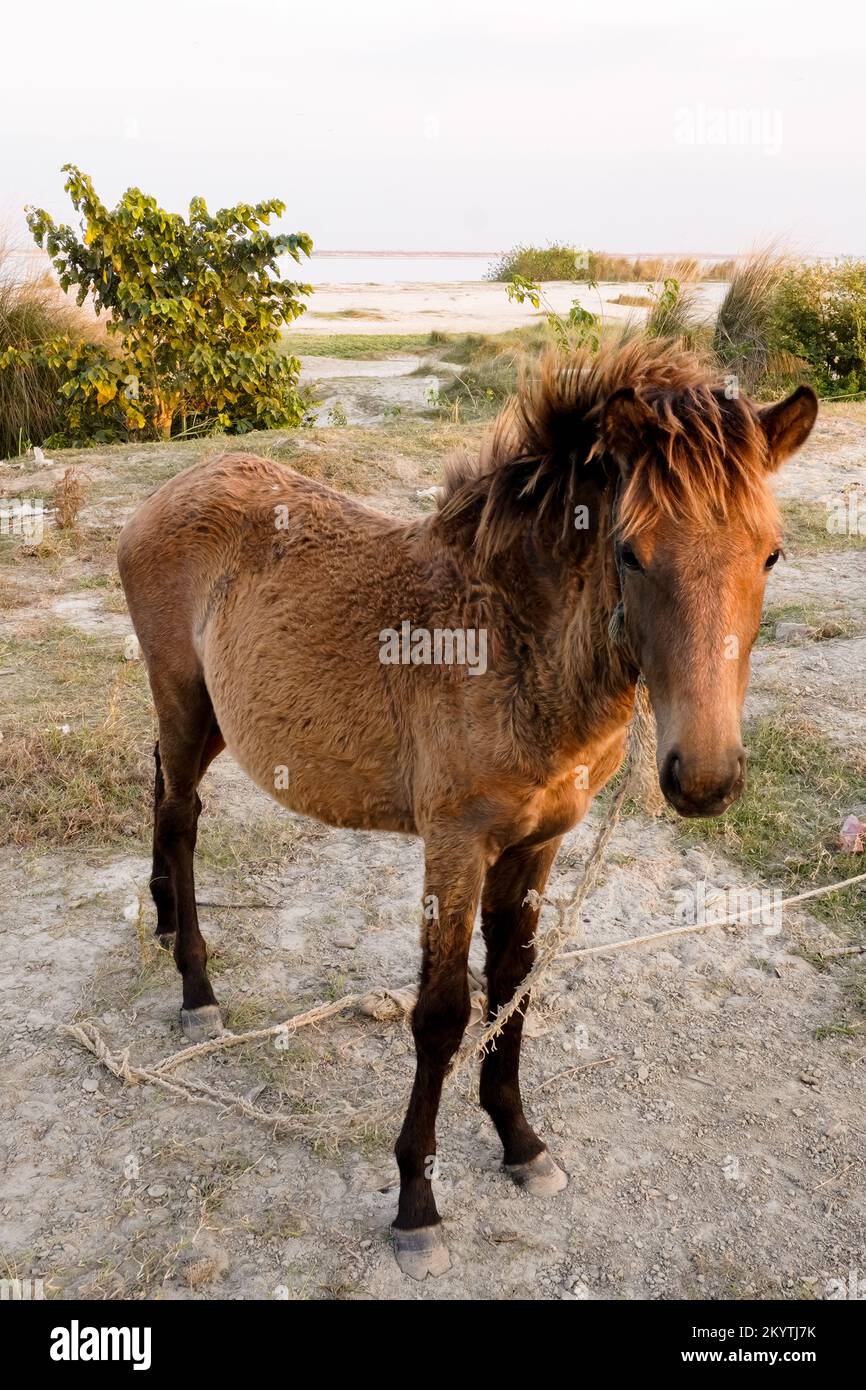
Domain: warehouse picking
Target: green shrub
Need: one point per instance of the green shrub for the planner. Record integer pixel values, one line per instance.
(195, 308)
(553, 262)
(560, 262)
(819, 318)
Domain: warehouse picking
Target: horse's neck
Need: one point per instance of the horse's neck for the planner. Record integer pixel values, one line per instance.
(579, 675)
(598, 677)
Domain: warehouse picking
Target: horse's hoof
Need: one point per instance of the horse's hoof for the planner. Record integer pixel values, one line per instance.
(421, 1252)
(540, 1177)
(200, 1024)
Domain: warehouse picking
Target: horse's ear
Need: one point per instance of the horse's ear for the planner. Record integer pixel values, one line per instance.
(626, 422)
(788, 423)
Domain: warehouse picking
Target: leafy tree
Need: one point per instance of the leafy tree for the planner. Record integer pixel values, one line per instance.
(195, 306)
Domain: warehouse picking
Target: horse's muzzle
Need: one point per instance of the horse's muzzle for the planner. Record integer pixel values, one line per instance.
(694, 789)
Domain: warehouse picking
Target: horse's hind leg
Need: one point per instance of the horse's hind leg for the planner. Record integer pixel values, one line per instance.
(508, 923)
(160, 879)
(188, 740)
(161, 889)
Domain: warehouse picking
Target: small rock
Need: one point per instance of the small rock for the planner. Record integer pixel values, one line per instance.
(90, 1085)
(158, 1189)
(132, 648)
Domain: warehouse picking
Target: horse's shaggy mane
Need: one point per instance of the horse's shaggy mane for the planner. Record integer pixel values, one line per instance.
(705, 455)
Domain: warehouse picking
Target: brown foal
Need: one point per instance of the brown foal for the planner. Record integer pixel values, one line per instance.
(456, 677)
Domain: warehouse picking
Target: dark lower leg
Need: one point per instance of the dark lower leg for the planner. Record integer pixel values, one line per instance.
(176, 831)
(438, 1024)
(160, 879)
(509, 924)
(453, 883)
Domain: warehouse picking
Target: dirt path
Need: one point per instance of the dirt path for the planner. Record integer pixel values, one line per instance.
(357, 392)
(716, 1150)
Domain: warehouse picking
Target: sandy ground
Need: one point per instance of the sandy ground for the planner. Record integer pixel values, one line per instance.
(715, 1151)
(368, 392)
(462, 307)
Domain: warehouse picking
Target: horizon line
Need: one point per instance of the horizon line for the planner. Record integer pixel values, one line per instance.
(634, 255)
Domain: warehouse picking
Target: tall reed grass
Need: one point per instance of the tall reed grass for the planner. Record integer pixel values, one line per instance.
(33, 311)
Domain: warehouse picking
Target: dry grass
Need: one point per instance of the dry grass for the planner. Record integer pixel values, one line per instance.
(807, 532)
(824, 625)
(32, 312)
(75, 767)
(345, 314)
(11, 594)
(355, 459)
(239, 847)
(634, 301)
(556, 261)
(68, 499)
(741, 339)
(90, 784)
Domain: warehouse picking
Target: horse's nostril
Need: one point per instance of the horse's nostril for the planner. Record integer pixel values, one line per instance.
(674, 774)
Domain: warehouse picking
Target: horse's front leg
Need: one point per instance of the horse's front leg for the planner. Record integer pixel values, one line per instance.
(509, 922)
(454, 875)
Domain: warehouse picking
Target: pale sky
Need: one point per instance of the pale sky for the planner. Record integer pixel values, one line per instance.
(454, 124)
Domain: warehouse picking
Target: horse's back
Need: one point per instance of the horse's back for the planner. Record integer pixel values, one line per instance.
(272, 589)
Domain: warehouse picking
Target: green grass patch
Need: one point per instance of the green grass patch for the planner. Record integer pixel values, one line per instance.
(368, 346)
(786, 825)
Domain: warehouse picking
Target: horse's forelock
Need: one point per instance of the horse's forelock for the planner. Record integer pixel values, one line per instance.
(706, 459)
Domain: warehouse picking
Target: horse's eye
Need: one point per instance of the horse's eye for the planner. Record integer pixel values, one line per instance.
(629, 559)
(771, 559)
